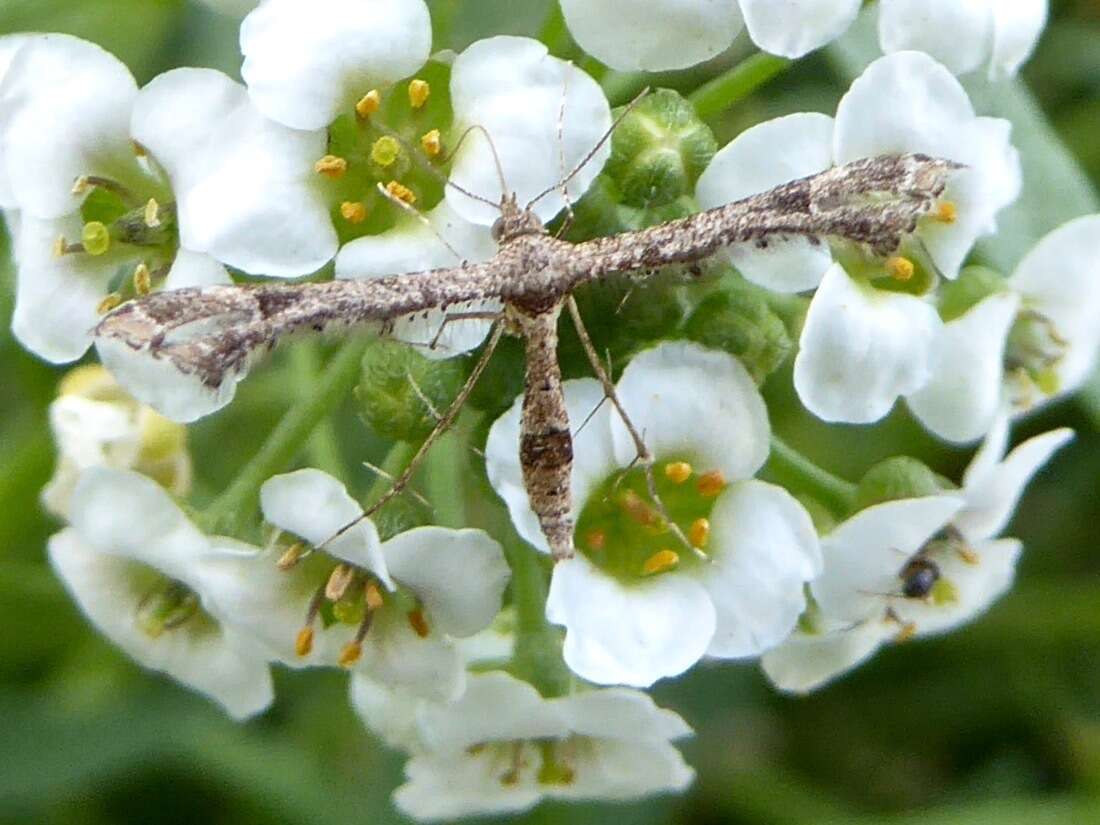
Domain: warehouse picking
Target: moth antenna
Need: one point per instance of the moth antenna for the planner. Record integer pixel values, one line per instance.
(592, 152)
(504, 190)
(396, 201)
(569, 216)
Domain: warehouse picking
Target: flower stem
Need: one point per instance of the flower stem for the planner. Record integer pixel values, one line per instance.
(323, 448)
(284, 442)
(791, 468)
(537, 655)
(445, 478)
(737, 83)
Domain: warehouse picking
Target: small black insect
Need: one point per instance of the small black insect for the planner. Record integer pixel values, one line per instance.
(918, 576)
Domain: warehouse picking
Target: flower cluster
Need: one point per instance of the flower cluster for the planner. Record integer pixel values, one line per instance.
(352, 150)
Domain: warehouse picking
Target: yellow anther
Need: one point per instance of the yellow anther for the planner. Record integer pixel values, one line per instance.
(331, 166)
(432, 143)
(418, 92)
(968, 555)
(660, 562)
(96, 238)
(946, 212)
(110, 301)
(81, 185)
(60, 247)
(385, 151)
(900, 269)
(596, 539)
(699, 533)
(369, 103)
(339, 581)
(152, 213)
(138, 150)
(143, 279)
(907, 632)
(353, 211)
(637, 509)
(401, 192)
(373, 596)
(291, 556)
(303, 642)
(352, 653)
(711, 484)
(419, 624)
(678, 471)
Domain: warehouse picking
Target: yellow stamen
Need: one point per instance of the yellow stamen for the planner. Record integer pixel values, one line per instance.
(711, 484)
(143, 279)
(419, 624)
(81, 185)
(678, 471)
(418, 92)
(907, 632)
(352, 653)
(152, 213)
(385, 151)
(968, 555)
(699, 533)
(900, 269)
(303, 643)
(432, 143)
(292, 556)
(596, 539)
(339, 581)
(96, 238)
(353, 211)
(138, 150)
(373, 596)
(110, 301)
(331, 166)
(60, 246)
(946, 212)
(401, 192)
(369, 103)
(660, 562)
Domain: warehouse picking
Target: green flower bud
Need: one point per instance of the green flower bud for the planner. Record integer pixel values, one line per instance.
(659, 150)
(740, 322)
(397, 381)
(896, 478)
(974, 285)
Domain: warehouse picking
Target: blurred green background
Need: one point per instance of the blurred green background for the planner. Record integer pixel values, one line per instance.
(997, 723)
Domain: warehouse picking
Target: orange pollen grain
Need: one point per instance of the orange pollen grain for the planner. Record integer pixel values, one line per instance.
(699, 533)
(303, 643)
(637, 509)
(353, 211)
(660, 562)
(401, 192)
(352, 653)
(109, 302)
(900, 269)
(947, 212)
(678, 471)
(419, 624)
(711, 483)
(331, 166)
(369, 103)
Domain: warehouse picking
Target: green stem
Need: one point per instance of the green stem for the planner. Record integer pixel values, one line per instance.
(286, 439)
(791, 468)
(322, 447)
(537, 656)
(737, 83)
(445, 474)
(395, 462)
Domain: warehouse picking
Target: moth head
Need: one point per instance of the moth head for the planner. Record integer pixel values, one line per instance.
(515, 221)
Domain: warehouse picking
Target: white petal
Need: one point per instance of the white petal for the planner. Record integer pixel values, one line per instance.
(9, 45)
(964, 393)
(543, 115)
(244, 185)
(445, 787)
(496, 707)
(861, 348)
(593, 457)
(65, 113)
(306, 63)
(314, 505)
(396, 656)
(1016, 30)
(1059, 279)
(958, 33)
(991, 497)
(987, 459)
(764, 550)
(652, 35)
(57, 297)
(389, 714)
(200, 654)
(620, 713)
(629, 635)
(195, 269)
(864, 554)
(792, 28)
(611, 769)
(458, 575)
(768, 154)
(693, 404)
(807, 661)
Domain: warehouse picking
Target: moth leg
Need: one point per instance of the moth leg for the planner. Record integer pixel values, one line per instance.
(444, 423)
(452, 317)
(644, 457)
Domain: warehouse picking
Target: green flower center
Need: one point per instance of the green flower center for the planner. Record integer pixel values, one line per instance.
(167, 606)
(627, 534)
(1034, 351)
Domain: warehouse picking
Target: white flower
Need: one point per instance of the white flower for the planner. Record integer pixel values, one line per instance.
(9, 45)
(401, 605)
(236, 8)
(656, 35)
(542, 115)
(965, 34)
(637, 606)
(1032, 339)
(95, 424)
(913, 567)
(502, 748)
(162, 183)
(862, 347)
(139, 579)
